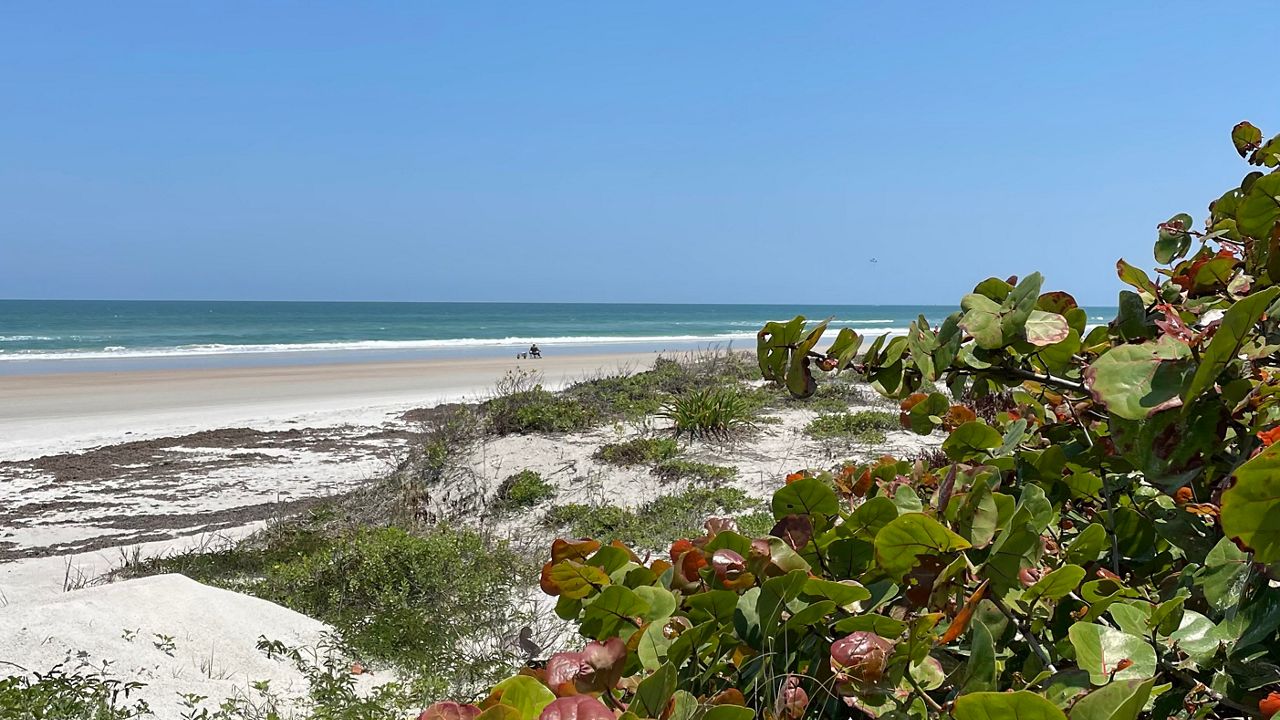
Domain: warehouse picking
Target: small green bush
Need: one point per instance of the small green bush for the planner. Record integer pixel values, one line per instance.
(655, 524)
(638, 451)
(69, 696)
(675, 469)
(864, 426)
(711, 412)
(523, 490)
(538, 410)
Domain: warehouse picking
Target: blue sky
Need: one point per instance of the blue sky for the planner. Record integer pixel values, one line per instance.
(681, 152)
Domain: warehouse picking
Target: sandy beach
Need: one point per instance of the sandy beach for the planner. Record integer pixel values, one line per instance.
(100, 460)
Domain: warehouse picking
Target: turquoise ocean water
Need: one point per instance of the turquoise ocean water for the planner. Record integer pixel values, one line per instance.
(70, 335)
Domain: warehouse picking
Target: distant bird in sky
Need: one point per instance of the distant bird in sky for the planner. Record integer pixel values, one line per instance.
(874, 260)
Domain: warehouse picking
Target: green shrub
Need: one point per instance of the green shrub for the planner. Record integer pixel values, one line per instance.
(62, 695)
(675, 469)
(864, 425)
(523, 490)
(638, 451)
(654, 524)
(407, 598)
(538, 410)
(711, 412)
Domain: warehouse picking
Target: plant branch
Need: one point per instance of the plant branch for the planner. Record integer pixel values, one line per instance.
(1026, 632)
(1190, 681)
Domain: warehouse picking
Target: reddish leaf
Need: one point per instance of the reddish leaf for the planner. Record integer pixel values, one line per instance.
(795, 530)
(965, 616)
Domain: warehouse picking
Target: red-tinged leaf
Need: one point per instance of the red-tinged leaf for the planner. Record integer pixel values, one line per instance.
(962, 619)
(573, 549)
(794, 530)
(449, 710)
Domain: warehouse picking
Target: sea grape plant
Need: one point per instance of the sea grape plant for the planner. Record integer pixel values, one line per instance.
(1099, 540)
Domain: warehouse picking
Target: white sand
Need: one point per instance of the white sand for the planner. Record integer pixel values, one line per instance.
(173, 634)
(43, 414)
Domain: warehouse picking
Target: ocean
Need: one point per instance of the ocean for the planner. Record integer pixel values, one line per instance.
(61, 335)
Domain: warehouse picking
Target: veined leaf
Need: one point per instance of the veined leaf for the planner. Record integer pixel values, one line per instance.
(1020, 705)
(907, 537)
(1236, 323)
(1251, 506)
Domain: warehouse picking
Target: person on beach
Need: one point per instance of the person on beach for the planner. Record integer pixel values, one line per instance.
(534, 352)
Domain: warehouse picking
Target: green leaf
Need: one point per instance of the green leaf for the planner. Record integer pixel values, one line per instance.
(653, 646)
(1121, 700)
(843, 593)
(1236, 324)
(775, 593)
(844, 348)
(971, 440)
(1046, 328)
(909, 536)
(807, 496)
(1100, 649)
(1056, 585)
(1260, 207)
(576, 580)
(1136, 277)
(653, 692)
(1174, 240)
(1020, 705)
(1138, 381)
(1089, 545)
(980, 672)
(729, 712)
(660, 600)
(526, 695)
(799, 378)
(1245, 137)
(612, 608)
(773, 346)
(1251, 506)
(1225, 570)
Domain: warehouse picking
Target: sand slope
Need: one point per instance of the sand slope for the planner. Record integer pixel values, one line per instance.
(212, 651)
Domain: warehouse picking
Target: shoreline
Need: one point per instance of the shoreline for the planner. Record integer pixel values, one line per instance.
(61, 412)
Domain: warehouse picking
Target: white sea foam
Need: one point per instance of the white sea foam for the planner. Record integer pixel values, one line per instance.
(455, 343)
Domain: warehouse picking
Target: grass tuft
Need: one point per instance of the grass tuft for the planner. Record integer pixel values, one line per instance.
(711, 412)
(865, 426)
(522, 491)
(638, 451)
(674, 469)
(655, 524)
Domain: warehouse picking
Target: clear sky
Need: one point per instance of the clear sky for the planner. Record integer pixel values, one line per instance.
(606, 151)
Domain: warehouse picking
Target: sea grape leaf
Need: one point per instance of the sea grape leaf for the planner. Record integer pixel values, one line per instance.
(807, 496)
(1246, 137)
(1120, 700)
(1197, 636)
(614, 606)
(1138, 381)
(1260, 208)
(526, 695)
(1173, 240)
(576, 580)
(653, 646)
(844, 348)
(982, 321)
(1250, 511)
(653, 692)
(1236, 324)
(980, 672)
(660, 600)
(1046, 328)
(1019, 705)
(1136, 277)
(773, 346)
(1225, 570)
(1056, 585)
(907, 537)
(971, 440)
(843, 593)
(1100, 650)
(800, 380)
(729, 712)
